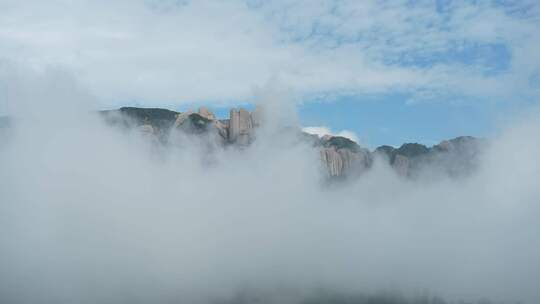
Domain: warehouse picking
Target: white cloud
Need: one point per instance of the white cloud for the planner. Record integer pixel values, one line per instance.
(162, 52)
(321, 131)
(93, 215)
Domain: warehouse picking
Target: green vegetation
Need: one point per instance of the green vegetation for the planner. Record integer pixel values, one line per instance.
(341, 143)
(387, 150)
(198, 122)
(412, 149)
(151, 114)
(161, 119)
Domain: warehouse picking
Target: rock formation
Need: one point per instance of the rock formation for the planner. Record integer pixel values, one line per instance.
(341, 157)
(240, 127)
(455, 157)
(333, 161)
(204, 112)
(182, 118)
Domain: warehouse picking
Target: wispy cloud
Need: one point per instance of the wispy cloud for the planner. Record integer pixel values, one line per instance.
(178, 51)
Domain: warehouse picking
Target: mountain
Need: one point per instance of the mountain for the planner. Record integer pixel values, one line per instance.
(340, 156)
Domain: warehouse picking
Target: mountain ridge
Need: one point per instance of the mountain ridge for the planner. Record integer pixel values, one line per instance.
(341, 156)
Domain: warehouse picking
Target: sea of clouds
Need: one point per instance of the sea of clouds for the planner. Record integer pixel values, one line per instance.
(93, 214)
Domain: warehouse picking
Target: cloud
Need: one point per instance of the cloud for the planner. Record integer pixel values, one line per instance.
(171, 52)
(91, 214)
(321, 131)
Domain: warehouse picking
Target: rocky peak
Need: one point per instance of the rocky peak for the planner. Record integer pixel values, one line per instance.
(343, 157)
(204, 112)
(340, 156)
(453, 157)
(339, 142)
(161, 120)
(240, 127)
(458, 143)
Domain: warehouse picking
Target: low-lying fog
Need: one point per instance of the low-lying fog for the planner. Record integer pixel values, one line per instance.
(90, 214)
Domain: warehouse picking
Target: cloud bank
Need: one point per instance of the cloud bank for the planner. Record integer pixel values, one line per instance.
(172, 52)
(90, 214)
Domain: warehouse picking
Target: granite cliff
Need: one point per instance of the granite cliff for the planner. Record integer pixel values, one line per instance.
(340, 156)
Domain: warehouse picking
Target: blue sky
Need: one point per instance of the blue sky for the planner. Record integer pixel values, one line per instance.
(387, 71)
(389, 120)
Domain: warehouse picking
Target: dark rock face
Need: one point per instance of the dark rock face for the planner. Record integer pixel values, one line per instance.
(455, 157)
(238, 129)
(340, 156)
(339, 142)
(161, 120)
(195, 123)
(458, 156)
(343, 157)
